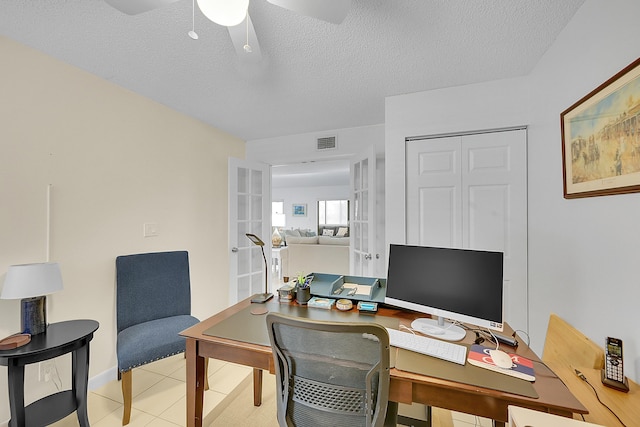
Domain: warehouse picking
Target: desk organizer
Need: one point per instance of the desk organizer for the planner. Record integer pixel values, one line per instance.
(339, 286)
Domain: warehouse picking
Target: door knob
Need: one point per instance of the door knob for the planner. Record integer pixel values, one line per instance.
(367, 257)
(234, 249)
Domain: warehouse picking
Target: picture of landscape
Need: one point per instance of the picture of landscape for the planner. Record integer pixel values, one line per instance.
(601, 138)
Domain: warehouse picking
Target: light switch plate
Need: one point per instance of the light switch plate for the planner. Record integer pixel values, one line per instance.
(150, 229)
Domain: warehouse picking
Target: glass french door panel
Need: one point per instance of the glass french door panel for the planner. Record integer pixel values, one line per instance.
(357, 177)
(243, 207)
(365, 237)
(358, 263)
(241, 238)
(357, 236)
(256, 207)
(256, 182)
(243, 180)
(257, 284)
(244, 287)
(243, 262)
(256, 259)
(364, 199)
(256, 229)
(365, 174)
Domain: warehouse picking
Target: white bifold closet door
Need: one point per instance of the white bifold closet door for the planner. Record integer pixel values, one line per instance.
(470, 191)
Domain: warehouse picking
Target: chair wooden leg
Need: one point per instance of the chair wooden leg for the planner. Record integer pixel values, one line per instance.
(126, 395)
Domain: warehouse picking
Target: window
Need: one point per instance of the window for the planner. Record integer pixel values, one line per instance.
(333, 212)
(277, 208)
(278, 218)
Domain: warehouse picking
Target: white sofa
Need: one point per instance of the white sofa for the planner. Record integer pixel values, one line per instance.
(317, 254)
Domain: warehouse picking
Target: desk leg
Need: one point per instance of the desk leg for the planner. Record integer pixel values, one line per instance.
(195, 384)
(80, 379)
(16, 396)
(257, 387)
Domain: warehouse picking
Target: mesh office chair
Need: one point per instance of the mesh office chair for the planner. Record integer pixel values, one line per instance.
(331, 373)
(153, 307)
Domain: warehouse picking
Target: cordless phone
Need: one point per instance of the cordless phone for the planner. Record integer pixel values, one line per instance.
(613, 372)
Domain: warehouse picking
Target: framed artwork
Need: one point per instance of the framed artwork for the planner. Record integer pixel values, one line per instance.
(300, 209)
(601, 138)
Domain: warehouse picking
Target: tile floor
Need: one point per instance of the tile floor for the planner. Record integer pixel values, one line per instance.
(159, 396)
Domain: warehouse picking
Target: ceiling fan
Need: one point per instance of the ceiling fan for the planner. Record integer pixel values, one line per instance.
(234, 15)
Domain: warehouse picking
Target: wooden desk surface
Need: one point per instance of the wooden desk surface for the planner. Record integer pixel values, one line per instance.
(405, 387)
(625, 405)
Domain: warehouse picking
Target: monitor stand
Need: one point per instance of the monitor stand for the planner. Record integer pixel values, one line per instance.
(438, 328)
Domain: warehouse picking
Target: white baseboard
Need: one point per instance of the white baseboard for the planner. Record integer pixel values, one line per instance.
(101, 379)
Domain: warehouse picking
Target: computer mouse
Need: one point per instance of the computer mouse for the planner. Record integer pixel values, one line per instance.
(501, 359)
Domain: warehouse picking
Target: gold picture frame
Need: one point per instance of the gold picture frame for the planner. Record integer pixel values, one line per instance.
(601, 138)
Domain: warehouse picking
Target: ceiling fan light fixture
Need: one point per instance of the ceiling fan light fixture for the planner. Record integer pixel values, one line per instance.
(224, 12)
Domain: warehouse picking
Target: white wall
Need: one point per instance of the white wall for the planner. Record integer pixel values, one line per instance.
(116, 160)
(582, 253)
(583, 257)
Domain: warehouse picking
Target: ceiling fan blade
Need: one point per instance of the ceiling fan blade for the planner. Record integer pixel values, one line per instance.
(333, 11)
(238, 34)
(134, 7)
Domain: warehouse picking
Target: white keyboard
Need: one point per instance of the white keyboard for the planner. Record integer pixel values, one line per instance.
(448, 351)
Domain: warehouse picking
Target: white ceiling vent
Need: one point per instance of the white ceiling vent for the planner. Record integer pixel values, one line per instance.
(326, 143)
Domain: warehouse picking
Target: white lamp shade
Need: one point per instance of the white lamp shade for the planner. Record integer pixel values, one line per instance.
(32, 280)
(225, 12)
(278, 220)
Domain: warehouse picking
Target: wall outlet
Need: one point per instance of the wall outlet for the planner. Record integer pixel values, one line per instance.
(46, 370)
(150, 229)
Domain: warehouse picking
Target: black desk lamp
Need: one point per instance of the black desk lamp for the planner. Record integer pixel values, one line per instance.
(266, 296)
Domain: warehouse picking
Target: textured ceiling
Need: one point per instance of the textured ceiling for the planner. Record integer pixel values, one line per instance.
(314, 76)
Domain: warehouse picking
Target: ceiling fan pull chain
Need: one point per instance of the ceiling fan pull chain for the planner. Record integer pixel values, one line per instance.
(247, 48)
(193, 33)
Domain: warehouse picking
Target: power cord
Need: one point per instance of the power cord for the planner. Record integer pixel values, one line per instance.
(583, 378)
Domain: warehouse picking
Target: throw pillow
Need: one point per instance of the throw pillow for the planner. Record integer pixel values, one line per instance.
(342, 232)
(327, 232)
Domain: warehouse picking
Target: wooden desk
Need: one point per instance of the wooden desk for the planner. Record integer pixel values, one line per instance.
(625, 405)
(405, 387)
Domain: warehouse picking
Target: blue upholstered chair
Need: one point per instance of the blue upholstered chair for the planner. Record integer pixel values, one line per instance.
(153, 307)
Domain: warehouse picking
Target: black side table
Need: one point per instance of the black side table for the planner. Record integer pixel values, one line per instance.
(60, 338)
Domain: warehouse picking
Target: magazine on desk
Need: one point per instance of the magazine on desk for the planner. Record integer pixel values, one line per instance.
(521, 368)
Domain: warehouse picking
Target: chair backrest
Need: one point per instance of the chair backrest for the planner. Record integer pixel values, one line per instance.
(329, 373)
(567, 346)
(152, 286)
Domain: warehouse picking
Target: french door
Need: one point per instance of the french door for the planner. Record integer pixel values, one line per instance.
(249, 212)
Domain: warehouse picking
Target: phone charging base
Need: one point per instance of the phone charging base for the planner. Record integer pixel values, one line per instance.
(622, 386)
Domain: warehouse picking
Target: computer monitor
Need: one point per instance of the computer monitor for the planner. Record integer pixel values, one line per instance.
(458, 284)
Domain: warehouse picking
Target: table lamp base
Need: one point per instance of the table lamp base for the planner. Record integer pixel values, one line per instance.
(261, 298)
(33, 315)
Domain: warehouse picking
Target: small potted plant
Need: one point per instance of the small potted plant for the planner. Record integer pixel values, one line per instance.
(303, 288)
